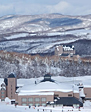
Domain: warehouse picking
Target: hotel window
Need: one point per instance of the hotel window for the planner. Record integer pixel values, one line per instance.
(30, 99)
(37, 99)
(2, 89)
(43, 104)
(30, 104)
(24, 104)
(2, 92)
(56, 95)
(24, 99)
(69, 95)
(43, 99)
(37, 104)
(2, 99)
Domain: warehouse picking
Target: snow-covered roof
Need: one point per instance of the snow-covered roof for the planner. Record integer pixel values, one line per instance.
(1, 81)
(37, 93)
(45, 86)
(62, 84)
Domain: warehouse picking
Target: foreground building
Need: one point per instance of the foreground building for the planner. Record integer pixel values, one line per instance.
(46, 91)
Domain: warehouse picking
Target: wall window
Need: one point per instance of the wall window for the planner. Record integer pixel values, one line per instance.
(30, 99)
(69, 95)
(43, 99)
(2, 89)
(37, 99)
(2, 100)
(2, 96)
(37, 104)
(2, 92)
(30, 104)
(24, 104)
(43, 104)
(24, 99)
(56, 95)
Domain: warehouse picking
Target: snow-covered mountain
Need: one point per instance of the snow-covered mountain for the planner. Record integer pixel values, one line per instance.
(33, 34)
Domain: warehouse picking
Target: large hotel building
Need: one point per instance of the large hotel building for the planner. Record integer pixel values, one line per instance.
(43, 91)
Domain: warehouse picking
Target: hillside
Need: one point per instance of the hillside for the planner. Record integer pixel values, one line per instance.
(27, 44)
(32, 34)
(27, 66)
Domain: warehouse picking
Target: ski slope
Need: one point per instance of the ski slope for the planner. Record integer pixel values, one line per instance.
(11, 108)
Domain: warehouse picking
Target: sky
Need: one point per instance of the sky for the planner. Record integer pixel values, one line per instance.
(33, 7)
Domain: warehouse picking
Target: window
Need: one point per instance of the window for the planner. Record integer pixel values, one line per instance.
(24, 104)
(37, 99)
(24, 99)
(2, 100)
(30, 99)
(56, 95)
(30, 104)
(2, 96)
(37, 104)
(43, 99)
(69, 94)
(2, 89)
(2, 92)
(43, 104)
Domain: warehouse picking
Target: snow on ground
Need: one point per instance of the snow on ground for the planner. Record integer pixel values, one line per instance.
(11, 108)
(4, 107)
(78, 32)
(17, 36)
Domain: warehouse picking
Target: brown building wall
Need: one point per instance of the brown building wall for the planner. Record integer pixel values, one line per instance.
(87, 92)
(76, 95)
(11, 88)
(6, 91)
(63, 94)
(16, 97)
(48, 98)
(68, 52)
(59, 50)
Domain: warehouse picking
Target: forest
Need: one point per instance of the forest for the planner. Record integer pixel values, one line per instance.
(27, 66)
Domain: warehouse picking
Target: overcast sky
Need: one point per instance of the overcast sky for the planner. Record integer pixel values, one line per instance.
(32, 7)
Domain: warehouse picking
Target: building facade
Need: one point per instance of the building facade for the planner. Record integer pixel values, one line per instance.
(64, 50)
(40, 93)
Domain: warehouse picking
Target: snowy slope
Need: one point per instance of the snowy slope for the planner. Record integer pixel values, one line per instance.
(11, 108)
(40, 33)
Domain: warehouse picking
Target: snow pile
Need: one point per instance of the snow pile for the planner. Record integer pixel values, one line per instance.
(7, 100)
